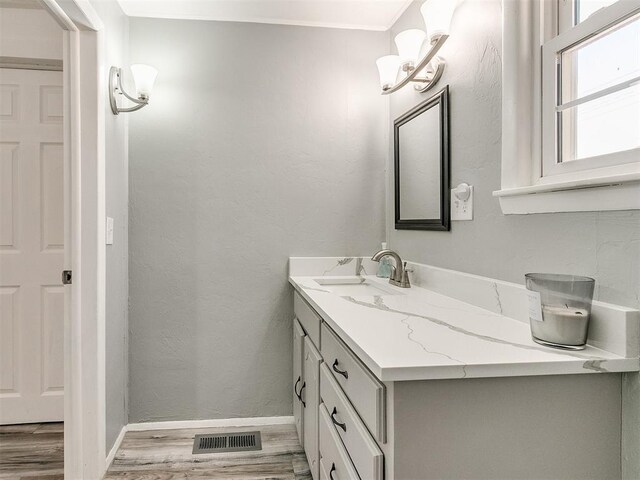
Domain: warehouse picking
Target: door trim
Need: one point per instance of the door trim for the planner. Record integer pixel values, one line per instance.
(23, 63)
(84, 333)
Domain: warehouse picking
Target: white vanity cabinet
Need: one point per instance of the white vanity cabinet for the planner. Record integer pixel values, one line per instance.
(526, 427)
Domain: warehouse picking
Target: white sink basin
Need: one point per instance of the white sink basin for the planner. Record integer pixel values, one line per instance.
(354, 286)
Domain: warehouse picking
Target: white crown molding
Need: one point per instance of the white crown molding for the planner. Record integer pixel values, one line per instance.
(267, 21)
(399, 14)
(207, 16)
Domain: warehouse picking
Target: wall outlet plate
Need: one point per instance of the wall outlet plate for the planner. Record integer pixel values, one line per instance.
(462, 209)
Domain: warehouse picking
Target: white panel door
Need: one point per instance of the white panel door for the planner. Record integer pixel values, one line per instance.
(31, 247)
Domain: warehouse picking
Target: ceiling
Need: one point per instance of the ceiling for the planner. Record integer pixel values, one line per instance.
(354, 14)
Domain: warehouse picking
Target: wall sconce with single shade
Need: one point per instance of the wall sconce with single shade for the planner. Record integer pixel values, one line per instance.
(143, 75)
(424, 71)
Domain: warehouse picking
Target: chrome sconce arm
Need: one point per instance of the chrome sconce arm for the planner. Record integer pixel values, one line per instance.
(116, 88)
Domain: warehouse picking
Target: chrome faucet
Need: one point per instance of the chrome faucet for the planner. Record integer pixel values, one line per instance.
(399, 273)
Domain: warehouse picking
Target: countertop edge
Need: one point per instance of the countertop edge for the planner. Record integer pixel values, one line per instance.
(449, 372)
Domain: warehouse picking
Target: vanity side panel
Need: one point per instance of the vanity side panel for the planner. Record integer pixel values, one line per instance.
(545, 427)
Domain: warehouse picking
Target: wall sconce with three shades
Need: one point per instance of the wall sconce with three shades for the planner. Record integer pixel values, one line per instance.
(396, 71)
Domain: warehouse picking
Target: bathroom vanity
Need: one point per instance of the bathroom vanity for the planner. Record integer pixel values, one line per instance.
(442, 380)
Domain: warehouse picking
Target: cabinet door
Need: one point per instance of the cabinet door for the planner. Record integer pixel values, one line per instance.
(311, 399)
(298, 347)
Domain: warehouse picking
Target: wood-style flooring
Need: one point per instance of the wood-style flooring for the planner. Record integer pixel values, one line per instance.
(30, 451)
(35, 451)
(166, 455)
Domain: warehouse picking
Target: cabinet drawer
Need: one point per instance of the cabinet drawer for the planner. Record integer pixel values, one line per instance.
(309, 320)
(334, 460)
(364, 390)
(363, 450)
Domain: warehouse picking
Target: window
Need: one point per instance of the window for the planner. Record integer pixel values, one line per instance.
(591, 88)
(573, 12)
(571, 114)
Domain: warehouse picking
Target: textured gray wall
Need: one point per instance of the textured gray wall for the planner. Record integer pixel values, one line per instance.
(604, 245)
(116, 39)
(261, 142)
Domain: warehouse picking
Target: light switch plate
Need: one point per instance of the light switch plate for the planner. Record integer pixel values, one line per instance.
(109, 231)
(462, 210)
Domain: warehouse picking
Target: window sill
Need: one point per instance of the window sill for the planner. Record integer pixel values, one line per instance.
(616, 192)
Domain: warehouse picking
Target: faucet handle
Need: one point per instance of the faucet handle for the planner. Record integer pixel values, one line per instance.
(405, 282)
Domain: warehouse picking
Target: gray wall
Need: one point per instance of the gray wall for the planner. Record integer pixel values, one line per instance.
(604, 245)
(261, 142)
(116, 39)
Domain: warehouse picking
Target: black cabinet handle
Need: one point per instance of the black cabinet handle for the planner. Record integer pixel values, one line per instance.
(295, 388)
(304, 384)
(333, 469)
(343, 426)
(341, 372)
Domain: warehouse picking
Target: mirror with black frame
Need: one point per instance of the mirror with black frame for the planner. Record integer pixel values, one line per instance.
(421, 154)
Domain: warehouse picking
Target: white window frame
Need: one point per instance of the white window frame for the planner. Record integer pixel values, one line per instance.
(598, 22)
(530, 31)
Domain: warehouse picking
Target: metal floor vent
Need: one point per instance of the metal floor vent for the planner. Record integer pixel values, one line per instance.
(227, 442)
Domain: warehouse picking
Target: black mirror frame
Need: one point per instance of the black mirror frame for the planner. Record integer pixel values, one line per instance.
(444, 222)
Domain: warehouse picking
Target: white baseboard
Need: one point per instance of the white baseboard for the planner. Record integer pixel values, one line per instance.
(222, 422)
(116, 446)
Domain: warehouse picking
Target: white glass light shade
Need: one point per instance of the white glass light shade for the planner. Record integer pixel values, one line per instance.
(144, 76)
(437, 16)
(409, 44)
(388, 67)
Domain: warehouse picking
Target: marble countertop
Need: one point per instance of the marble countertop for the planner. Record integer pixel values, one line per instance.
(423, 335)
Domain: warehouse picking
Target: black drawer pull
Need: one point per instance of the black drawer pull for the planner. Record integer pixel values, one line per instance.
(295, 388)
(344, 373)
(343, 426)
(333, 469)
(304, 384)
